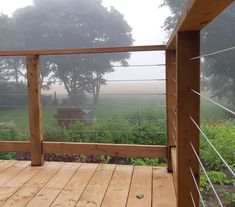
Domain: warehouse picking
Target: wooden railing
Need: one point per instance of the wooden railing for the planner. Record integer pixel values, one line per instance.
(182, 74)
(36, 146)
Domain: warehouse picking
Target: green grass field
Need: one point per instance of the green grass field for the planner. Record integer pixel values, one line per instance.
(116, 109)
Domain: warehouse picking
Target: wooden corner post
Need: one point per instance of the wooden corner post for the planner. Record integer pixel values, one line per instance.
(188, 104)
(35, 117)
(170, 103)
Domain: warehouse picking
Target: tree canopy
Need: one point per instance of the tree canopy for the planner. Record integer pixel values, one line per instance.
(218, 70)
(69, 24)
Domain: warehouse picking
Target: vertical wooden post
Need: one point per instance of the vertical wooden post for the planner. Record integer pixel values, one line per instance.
(35, 119)
(188, 77)
(170, 103)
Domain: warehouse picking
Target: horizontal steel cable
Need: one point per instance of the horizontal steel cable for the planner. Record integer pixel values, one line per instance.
(213, 53)
(223, 107)
(197, 187)
(213, 147)
(204, 170)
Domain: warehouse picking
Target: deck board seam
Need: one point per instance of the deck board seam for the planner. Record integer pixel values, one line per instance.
(24, 184)
(66, 184)
(15, 174)
(7, 167)
(108, 185)
(130, 186)
(44, 184)
(87, 184)
(152, 187)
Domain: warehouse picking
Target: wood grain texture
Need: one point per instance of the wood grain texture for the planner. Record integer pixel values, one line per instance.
(141, 186)
(9, 188)
(117, 193)
(163, 185)
(83, 50)
(170, 103)
(188, 104)
(26, 193)
(96, 189)
(174, 166)
(60, 184)
(71, 193)
(196, 15)
(35, 114)
(4, 164)
(12, 171)
(14, 146)
(126, 150)
(51, 190)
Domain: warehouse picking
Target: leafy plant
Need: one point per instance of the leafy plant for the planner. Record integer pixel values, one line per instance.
(216, 177)
(219, 178)
(229, 198)
(222, 136)
(147, 161)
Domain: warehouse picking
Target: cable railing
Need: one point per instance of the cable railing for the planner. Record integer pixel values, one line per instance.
(205, 173)
(92, 131)
(197, 187)
(102, 94)
(93, 118)
(183, 119)
(213, 53)
(209, 142)
(213, 147)
(191, 195)
(223, 107)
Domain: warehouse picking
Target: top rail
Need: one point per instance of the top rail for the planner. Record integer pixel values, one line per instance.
(197, 14)
(84, 50)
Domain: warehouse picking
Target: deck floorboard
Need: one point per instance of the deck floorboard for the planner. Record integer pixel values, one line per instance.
(60, 184)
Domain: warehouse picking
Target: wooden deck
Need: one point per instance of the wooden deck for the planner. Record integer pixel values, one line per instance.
(76, 184)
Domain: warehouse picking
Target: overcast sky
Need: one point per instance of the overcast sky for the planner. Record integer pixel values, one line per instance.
(146, 19)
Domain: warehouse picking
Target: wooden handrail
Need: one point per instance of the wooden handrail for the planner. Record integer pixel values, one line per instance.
(196, 15)
(84, 50)
(14, 146)
(122, 150)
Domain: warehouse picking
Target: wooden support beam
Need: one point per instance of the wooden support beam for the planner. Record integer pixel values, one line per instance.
(122, 150)
(14, 146)
(196, 15)
(170, 102)
(188, 76)
(84, 50)
(174, 166)
(35, 119)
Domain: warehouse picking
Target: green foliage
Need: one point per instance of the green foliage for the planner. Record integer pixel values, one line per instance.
(7, 155)
(216, 177)
(229, 198)
(8, 131)
(219, 178)
(222, 137)
(204, 184)
(111, 131)
(148, 162)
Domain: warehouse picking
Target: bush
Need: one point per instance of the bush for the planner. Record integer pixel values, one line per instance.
(8, 131)
(216, 177)
(111, 131)
(222, 137)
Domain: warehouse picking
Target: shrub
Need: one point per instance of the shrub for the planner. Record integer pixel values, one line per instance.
(216, 177)
(222, 137)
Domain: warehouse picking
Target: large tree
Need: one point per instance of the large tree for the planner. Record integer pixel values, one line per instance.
(218, 70)
(73, 24)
